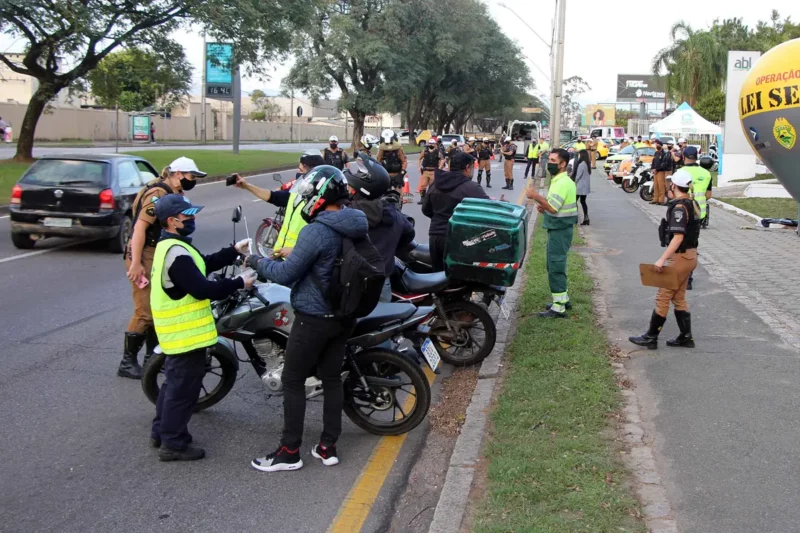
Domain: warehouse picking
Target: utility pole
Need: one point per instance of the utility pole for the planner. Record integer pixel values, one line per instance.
(116, 128)
(237, 108)
(558, 78)
(203, 133)
(291, 118)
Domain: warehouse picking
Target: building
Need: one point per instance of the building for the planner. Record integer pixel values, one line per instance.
(18, 88)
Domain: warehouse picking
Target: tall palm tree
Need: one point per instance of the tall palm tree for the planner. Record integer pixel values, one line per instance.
(695, 63)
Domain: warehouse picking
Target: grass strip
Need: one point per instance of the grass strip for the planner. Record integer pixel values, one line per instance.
(552, 464)
(766, 207)
(757, 177)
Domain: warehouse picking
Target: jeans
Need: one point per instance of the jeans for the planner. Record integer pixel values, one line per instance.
(314, 344)
(177, 398)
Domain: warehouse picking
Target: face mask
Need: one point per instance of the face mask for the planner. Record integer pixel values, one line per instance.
(552, 168)
(187, 229)
(333, 146)
(187, 184)
(297, 175)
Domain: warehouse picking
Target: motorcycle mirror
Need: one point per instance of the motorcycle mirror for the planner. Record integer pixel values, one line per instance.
(277, 177)
(237, 214)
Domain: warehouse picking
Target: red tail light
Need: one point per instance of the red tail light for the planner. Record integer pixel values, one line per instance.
(107, 199)
(16, 195)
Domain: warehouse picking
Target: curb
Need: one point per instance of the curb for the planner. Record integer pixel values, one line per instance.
(733, 209)
(453, 499)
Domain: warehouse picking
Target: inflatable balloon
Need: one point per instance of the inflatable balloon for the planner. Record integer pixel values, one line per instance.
(769, 109)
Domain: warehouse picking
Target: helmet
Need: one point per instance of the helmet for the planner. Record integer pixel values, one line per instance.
(371, 179)
(681, 140)
(432, 141)
(472, 139)
(388, 136)
(454, 142)
(325, 185)
(486, 139)
(507, 139)
(369, 141)
(312, 158)
(706, 162)
(333, 139)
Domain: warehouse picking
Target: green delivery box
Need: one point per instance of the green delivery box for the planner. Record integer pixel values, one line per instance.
(486, 241)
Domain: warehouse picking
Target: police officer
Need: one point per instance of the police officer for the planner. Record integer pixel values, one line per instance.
(591, 145)
(560, 210)
(178, 176)
(429, 161)
(662, 161)
(471, 149)
(508, 150)
(484, 163)
(393, 159)
(452, 149)
(333, 155)
(183, 320)
(680, 233)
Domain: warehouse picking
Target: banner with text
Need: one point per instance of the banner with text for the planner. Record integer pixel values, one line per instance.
(641, 87)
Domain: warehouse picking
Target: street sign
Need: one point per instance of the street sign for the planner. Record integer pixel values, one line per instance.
(219, 71)
(531, 109)
(299, 111)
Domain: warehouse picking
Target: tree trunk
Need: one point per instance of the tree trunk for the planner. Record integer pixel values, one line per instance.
(27, 131)
(358, 128)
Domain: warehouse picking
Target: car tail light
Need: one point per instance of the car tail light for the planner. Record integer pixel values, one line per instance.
(16, 195)
(107, 199)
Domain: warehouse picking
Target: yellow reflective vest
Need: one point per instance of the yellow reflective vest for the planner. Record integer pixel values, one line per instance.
(292, 223)
(562, 196)
(701, 179)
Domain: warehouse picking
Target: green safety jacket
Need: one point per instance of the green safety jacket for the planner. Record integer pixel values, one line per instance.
(701, 180)
(181, 325)
(563, 198)
(292, 223)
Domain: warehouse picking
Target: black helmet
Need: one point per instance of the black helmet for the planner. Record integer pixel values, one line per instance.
(706, 162)
(326, 185)
(371, 183)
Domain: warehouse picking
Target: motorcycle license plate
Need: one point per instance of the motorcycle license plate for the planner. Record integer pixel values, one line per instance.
(430, 353)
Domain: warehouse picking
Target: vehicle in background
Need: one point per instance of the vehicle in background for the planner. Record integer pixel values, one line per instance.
(423, 137)
(78, 196)
(642, 155)
(610, 132)
(666, 139)
(620, 156)
(403, 137)
(602, 149)
(567, 135)
(522, 133)
(448, 138)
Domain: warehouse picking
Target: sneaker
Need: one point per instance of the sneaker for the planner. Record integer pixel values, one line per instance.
(189, 454)
(552, 314)
(280, 460)
(326, 455)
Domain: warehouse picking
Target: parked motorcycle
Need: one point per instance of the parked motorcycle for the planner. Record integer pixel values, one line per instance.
(386, 393)
(646, 187)
(631, 182)
(268, 231)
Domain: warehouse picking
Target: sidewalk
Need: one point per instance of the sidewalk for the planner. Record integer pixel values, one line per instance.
(723, 419)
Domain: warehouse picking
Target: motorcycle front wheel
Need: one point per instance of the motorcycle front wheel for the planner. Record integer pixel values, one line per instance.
(630, 186)
(646, 194)
(473, 336)
(397, 396)
(266, 235)
(217, 383)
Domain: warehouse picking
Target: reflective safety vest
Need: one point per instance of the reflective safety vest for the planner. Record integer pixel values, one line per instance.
(639, 145)
(181, 325)
(701, 179)
(292, 223)
(578, 146)
(562, 196)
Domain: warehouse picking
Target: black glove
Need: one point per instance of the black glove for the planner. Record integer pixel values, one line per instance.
(252, 261)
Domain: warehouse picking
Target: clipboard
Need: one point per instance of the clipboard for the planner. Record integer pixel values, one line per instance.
(668, 279)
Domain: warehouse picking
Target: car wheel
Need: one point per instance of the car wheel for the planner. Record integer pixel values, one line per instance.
(422, 144)
(117, 244)
(21, 241)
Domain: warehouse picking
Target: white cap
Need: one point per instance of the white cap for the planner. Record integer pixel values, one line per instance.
(681, 140)
(472, 139)
(184, 164)
(333, 139)
(486, 139)
(681, 178)
(431, 141)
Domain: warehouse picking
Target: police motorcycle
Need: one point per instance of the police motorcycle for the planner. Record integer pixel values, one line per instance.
(386, 392)
(714, 155)
(632, 181)
(646, 186)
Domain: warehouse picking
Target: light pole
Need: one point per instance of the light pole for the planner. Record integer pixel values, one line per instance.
(558, 78)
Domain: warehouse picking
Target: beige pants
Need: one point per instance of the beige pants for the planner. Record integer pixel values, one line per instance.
(142, 318)
(485, 165)
(684, 263)
(508, 169)
(659, 187)
(426, 179)
(593, 157)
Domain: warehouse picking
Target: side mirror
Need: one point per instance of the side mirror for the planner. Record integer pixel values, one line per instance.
(277, 177)
(237, 214)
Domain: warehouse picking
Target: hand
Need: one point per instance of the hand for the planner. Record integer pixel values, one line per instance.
(284, 252)
(135, 272)
(249, 277)
(539, 208)
(251, 261)
(240, 182)
(243, 247)
(659, 266)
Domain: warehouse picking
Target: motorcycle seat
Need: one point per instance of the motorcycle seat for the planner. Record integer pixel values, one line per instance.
(383, 314)
(421, 253)
(424, 283)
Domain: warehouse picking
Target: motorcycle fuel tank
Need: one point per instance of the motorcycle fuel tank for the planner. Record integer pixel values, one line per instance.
(253, 315)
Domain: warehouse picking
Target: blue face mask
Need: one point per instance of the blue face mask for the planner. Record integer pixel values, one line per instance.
(187, 229)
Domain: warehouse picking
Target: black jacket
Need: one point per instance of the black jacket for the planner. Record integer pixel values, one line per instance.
(189, 280)
(389, 229)
(444, 195)
(662, 161)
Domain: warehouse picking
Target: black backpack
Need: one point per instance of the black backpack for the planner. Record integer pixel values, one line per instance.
(357, 279)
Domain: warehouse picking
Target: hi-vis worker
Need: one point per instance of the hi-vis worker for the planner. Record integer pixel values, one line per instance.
(429, 162)
(578, 146)
(541, 148)
(292, 200)
(560, 210)
(701, 186)
(180, 299)
(484, 163)
(393, 159)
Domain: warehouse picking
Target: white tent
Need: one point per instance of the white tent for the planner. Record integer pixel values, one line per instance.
(685, 121)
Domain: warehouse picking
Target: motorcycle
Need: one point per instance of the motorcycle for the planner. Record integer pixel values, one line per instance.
(267, 232)
(378, 382)
(712, 151)
(631, 182)
(646, 187)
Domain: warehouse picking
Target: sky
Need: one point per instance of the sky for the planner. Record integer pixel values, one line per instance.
(602, 39)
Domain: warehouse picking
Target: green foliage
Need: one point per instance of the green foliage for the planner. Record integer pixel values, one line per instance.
(623, 115)
(570, 107)
(711, 105)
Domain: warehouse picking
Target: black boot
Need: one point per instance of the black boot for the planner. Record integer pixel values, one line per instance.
(488, 179)
(421, 197)
(510, 185)
(506, 187)
(480, 176)
(684, 339)
(129, 366)
(650, 339)
(150, 346)
(585, 222)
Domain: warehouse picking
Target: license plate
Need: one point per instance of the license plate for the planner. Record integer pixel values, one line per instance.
(430, 353)
(58, 222)
(501, 302)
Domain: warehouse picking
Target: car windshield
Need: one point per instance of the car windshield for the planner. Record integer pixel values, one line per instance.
(627, 150)
(65, 172)
(646, 151)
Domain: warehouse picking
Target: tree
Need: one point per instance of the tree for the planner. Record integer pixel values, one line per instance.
(711, 105)
(136, 78)
(570, 107)
(265, 108)
(66, 39)
(622, 116)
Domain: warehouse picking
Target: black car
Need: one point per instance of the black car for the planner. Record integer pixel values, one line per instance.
(78, 196)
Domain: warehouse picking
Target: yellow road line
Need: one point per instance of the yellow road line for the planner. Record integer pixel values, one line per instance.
(359, 501)
(522, 192)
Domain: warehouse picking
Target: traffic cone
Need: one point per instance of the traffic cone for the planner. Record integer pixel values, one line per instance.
(476, 164)
(408, 196)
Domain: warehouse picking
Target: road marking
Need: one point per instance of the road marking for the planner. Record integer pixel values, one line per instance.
(522, 192)
(6, 216)
(359, 501)
(40, 252)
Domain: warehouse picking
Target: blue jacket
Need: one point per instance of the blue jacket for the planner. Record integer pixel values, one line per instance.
(318, 246)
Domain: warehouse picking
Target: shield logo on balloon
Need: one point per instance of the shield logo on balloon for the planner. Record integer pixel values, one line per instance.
(784, 133)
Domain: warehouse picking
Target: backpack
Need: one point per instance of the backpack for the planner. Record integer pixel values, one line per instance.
(357, 279)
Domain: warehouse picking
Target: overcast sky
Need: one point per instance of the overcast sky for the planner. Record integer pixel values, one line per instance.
(602, 39)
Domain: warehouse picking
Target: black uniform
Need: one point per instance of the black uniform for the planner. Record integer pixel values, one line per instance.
(336, 159)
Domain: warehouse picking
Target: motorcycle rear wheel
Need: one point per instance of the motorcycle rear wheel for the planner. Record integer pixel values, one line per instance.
(460, 351)
(221, 367)
(646, 194)
(413, 386)
(266, 235)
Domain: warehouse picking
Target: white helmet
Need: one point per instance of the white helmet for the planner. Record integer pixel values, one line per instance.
(472, 139)
(333, 139)
(369, 141)
(681, 140)
(454, 142)
(508, 139)
(387, 136)
(486, 139)
(431, 142)
(681, 178)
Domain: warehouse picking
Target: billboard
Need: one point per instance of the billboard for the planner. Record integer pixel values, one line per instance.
(140, 126)
(641, 87)
(599, 115)
(219, 71)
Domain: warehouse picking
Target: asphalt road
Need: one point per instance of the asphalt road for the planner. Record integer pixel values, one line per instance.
(74, 452)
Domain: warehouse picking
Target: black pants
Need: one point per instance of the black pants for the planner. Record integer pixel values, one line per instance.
(177, 398)
(314, 344)
(436, 244)
(531, 163)
(582, 200)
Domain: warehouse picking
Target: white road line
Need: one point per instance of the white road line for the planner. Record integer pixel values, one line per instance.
(39, 252)
(6, 216)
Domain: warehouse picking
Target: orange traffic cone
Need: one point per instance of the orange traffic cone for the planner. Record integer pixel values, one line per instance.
(476, 164)
(408, 196)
